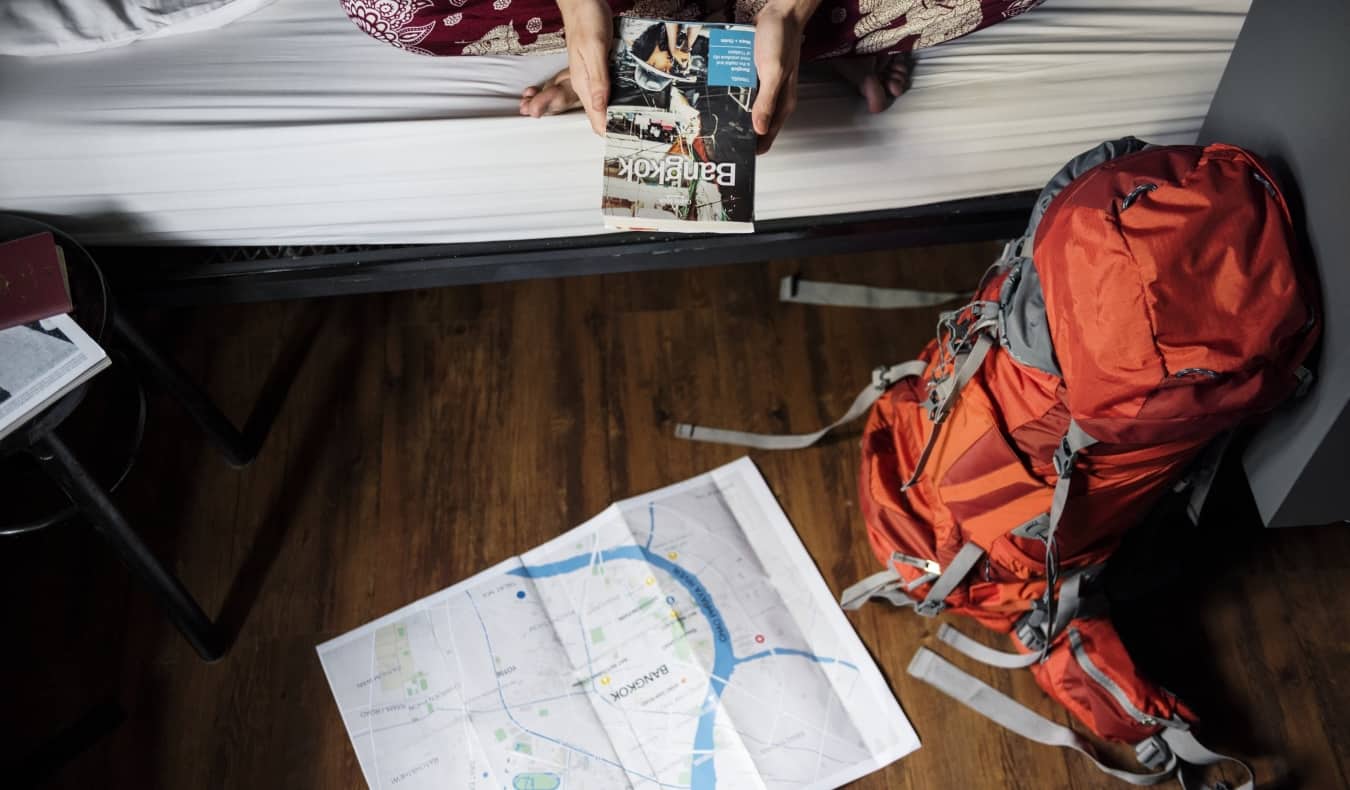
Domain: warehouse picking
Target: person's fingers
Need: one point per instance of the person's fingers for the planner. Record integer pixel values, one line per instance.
(897, 76)
(766, 103)
(539, 102)
(557, 101)
(590, 79)
(770, 64)
(786, 104)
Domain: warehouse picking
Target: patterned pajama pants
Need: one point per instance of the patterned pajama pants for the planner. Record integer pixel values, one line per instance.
(506, 27)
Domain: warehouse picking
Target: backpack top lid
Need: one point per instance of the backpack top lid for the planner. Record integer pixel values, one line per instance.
(1171, 293)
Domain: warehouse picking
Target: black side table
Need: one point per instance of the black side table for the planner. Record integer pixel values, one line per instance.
(95, 311)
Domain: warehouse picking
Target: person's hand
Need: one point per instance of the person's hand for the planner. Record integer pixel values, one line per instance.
(779, 27)
(589, 27)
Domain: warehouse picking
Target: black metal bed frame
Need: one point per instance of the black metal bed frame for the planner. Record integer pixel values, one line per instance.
(200, 275)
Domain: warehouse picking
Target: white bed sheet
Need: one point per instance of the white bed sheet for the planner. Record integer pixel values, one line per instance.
(290, 126)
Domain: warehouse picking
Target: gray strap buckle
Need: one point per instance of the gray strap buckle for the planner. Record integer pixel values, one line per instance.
(933, 403)
(1064, 458)
(1152, 753)
(927, 566)
(1019, 247)
(1035, 529)
(883, 378)
(929, 608)
(1028, 628)
(1305, 381)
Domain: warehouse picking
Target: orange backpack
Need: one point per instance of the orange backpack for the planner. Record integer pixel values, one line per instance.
(1153, 304)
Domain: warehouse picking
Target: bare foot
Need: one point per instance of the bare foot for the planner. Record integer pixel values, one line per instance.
(879, 78)
(554, 96)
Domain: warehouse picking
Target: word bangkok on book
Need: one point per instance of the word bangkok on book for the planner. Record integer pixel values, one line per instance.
(679, 145)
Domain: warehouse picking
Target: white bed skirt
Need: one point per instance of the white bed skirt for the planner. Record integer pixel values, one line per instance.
(290, 126)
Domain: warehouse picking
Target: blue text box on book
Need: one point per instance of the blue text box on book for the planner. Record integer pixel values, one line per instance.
(731, 58)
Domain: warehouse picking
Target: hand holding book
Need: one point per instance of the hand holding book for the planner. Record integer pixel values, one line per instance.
(779, 29)
(590, 32)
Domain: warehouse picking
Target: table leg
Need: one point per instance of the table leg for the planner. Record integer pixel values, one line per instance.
(239, 450)
(57, 459)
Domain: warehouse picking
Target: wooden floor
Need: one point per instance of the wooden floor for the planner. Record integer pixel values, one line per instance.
(429, 435)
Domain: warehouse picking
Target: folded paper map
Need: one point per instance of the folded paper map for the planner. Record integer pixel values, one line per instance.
(680, 639)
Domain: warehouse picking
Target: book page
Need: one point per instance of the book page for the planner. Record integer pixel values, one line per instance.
(41, 361)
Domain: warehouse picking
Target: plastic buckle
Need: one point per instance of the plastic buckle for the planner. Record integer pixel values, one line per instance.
(879, 380)
(1305, 381)
(929, 567)
(929, 608)
(1064, 458)
(1152, 753)
(882, 379)
(933, 403)
(1027, 629)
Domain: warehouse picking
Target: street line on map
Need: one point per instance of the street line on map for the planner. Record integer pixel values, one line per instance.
(507, 710)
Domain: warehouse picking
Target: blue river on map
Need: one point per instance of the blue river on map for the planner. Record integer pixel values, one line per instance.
(704, 774)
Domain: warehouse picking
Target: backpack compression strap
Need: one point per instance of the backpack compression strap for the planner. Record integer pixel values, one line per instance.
(882, 379)
(794, 289)
(886, 584)
(1164, 753)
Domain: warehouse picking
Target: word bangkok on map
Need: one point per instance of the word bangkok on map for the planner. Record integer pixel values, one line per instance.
(681, 639)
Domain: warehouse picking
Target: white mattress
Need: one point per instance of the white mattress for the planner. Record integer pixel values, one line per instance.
(290, 126)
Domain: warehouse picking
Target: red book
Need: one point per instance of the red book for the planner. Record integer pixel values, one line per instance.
(33, 281)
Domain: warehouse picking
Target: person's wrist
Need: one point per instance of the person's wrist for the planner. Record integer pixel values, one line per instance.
(569, 7)
(798, 11)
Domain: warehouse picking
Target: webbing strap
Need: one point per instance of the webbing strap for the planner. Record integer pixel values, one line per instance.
(962, 376)
(985, 655)
(1075, 441)
(1066, 607)
(1066, 455)
(882, 379)
(1203, 472)
(882, 584)
(989, 702)
(1185, 747)
(795, 289)
(965, 560)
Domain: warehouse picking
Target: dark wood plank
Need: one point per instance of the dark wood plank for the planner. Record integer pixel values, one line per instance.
(428, 435)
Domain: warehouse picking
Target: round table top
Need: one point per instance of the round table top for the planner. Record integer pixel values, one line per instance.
(92, 302)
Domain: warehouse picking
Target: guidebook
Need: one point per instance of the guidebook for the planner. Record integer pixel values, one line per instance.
(679, 144)
(40, 362)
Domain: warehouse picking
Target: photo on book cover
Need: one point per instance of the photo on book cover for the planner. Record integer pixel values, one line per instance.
(679, 144)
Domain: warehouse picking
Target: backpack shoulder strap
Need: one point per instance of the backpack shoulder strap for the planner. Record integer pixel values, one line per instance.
(1007, 712)
(1164, 753)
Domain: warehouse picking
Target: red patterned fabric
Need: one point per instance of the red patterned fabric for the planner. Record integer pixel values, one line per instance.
(840, 27)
